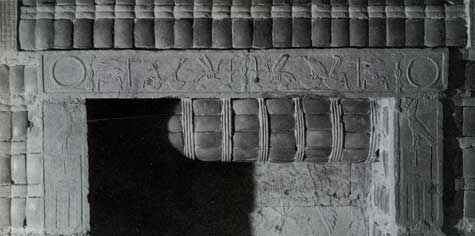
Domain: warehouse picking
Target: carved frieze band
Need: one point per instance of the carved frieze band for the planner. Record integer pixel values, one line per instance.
(376, 72)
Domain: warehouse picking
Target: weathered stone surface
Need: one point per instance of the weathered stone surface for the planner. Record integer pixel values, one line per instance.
(381, 72)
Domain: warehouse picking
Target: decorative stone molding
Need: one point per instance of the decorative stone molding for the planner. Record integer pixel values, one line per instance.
(240, 24)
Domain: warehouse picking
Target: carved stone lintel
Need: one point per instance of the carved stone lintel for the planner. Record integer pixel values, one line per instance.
(381, 73)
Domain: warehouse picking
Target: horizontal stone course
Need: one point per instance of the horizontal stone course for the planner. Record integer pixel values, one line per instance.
(224, 25)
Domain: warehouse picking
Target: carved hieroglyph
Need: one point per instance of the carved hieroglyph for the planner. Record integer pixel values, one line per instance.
(382, 72)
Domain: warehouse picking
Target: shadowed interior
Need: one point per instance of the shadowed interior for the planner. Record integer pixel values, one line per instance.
(141, 185)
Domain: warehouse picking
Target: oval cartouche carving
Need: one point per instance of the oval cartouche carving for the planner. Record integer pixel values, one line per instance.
(422, 72)
(69, 71)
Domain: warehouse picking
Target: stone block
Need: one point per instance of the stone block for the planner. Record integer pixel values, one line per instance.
(18, 169)
(282, 32)
(207, 107)
(5, 170)
(262, 33)
(355, 106)
(208, 154)
(103, 33)
(245, 154)
(6, 125)
(207, 123)
(316, 105)
(208, 139)
(246, 123)
(377, 32)
(19, 125)
(144, 33)
(282, 140)
(277, 154)
(469, 204)
(202, 32)
(455, 32)
(301, 32)
(355, 155)
(415, 32)
(63, 37)
(469, 162)
(26, 31)
(280, 106)
(176, 140)
(17, 79)
(18, 209)
(396, 32)
(320, 139)
(245, 106)
(34, 212)
(318, 122)
(222, 33)
(317, 154)
(83, 32)
(245, 140)
(321, 32)
(281, 123)
(4, 79)
(34, 167)
(356, 140)
(340, 35)
(242, 33)
(5, 210)
(434, 32)
(356, 123)
(183, 33)
(44, 34)
(174, 124)
(358, 32)
(468, 121)
(124, 33)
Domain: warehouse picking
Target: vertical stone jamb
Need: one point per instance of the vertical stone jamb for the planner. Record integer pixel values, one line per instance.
(226, 122)
(299, 129)
(467, 183)
(263, 131)
(336, 113)
(65, 167)
(419, 193)
(187, 124)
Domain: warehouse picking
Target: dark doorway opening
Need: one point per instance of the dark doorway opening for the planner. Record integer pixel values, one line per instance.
(140, 184)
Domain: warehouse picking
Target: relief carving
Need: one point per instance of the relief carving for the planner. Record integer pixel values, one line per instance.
(422, 72)
(243, 72)
(111, 75)
(331, 79)
(373, 72)
(419, 131)
(277, 74)
(157, 78)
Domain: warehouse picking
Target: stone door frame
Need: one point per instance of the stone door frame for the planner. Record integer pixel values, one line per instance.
(43, 117)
